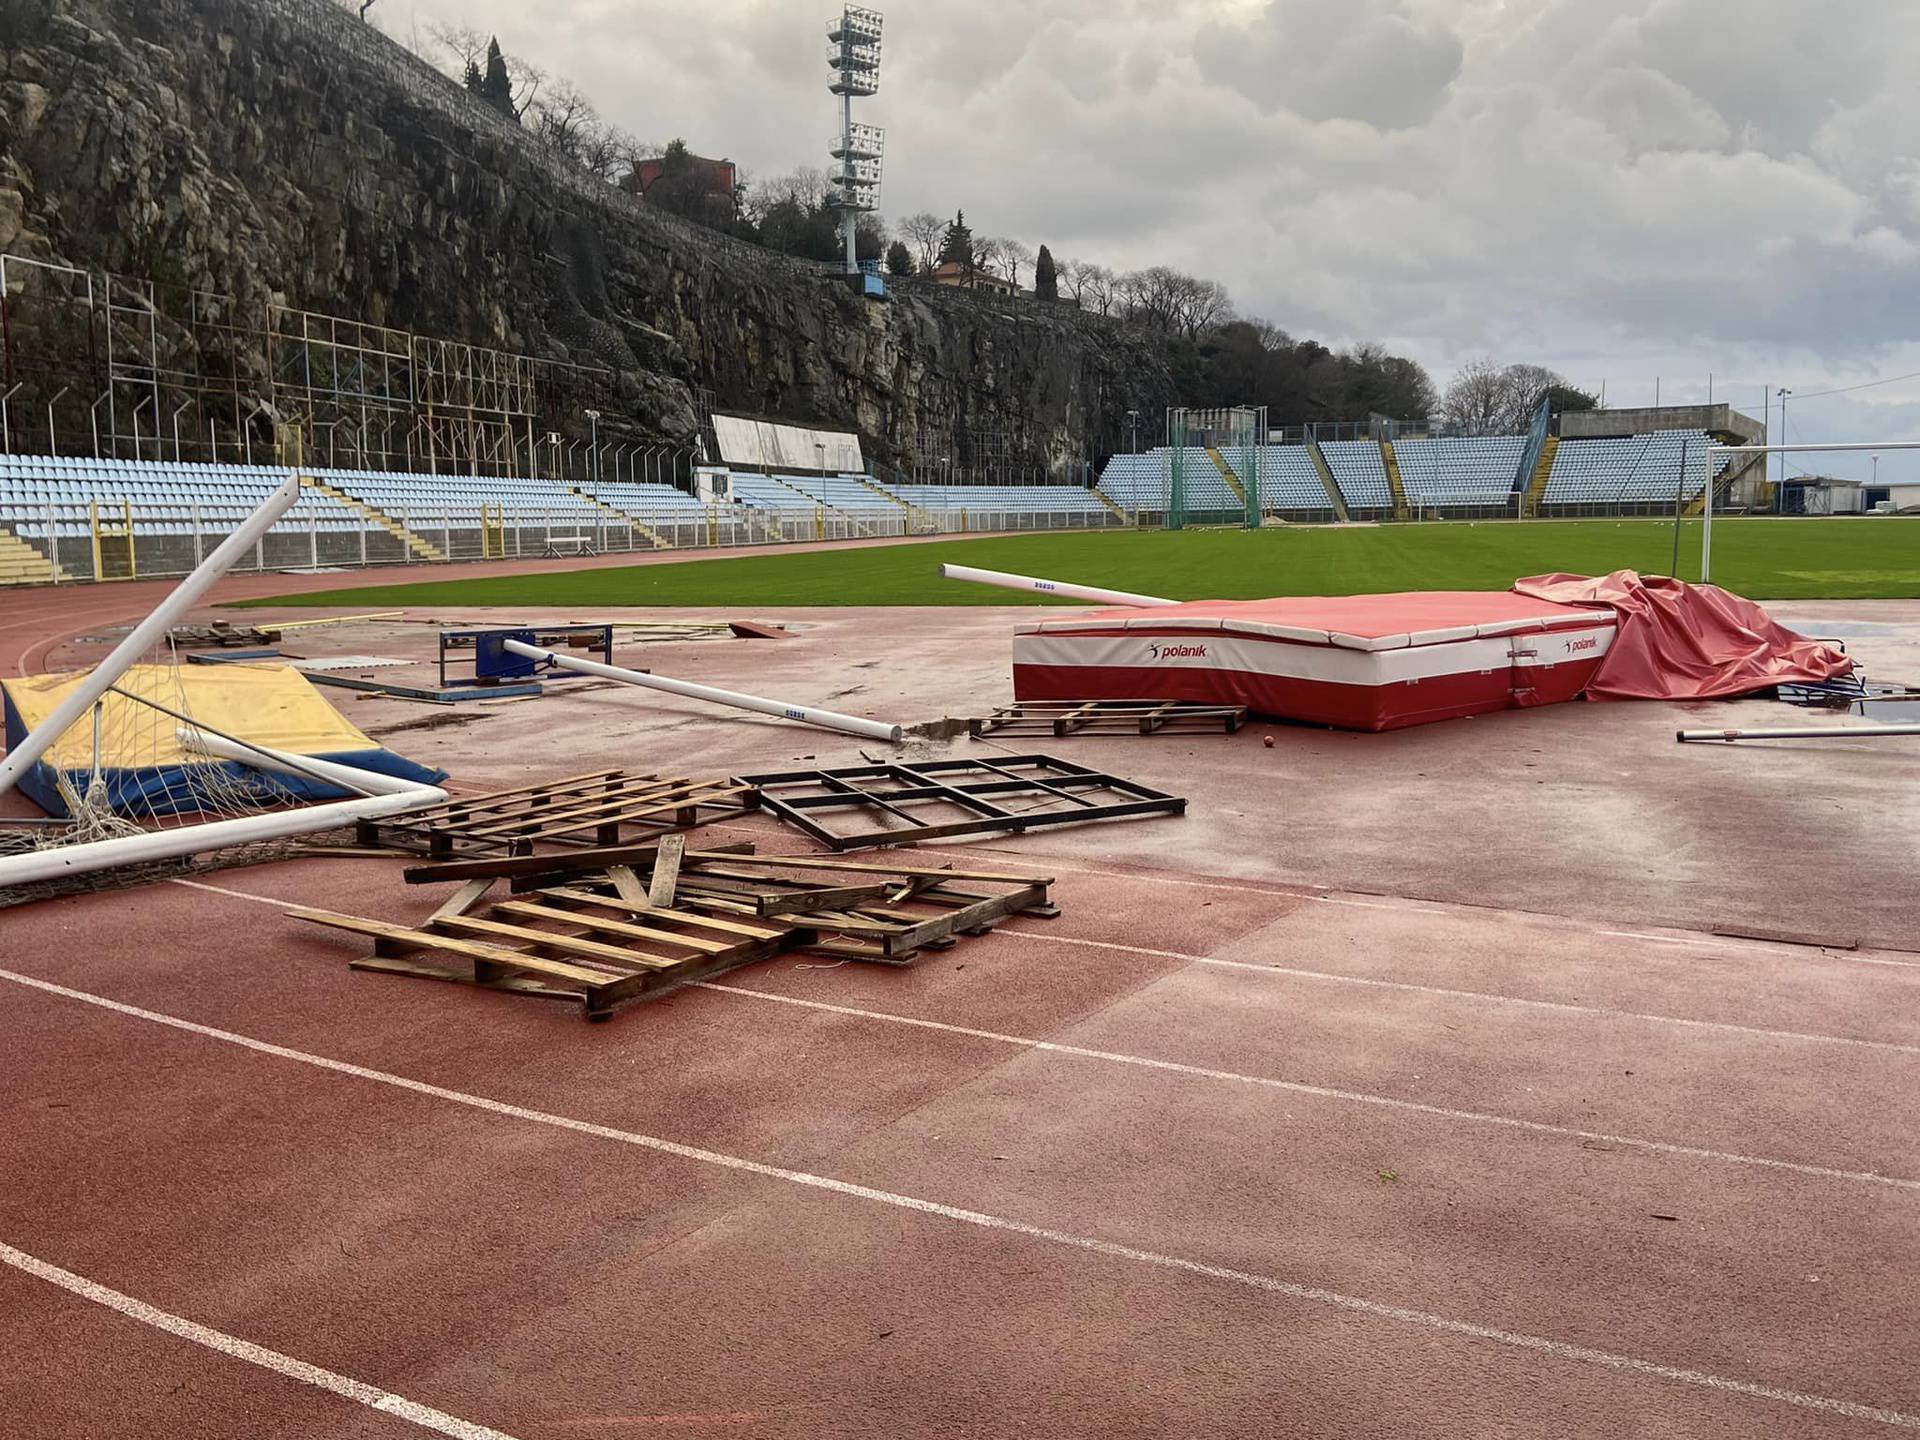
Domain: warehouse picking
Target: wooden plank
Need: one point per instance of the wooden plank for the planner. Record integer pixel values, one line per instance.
(458, 806)
(572, 862)
(542, 806)
(632, 803)
(572, 944)
(666, 872)
(474, 949)
(536, 911)
(821, 862)
(610, 902)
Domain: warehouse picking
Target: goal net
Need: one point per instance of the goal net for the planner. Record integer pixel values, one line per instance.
(142, 758)
(1212, 460)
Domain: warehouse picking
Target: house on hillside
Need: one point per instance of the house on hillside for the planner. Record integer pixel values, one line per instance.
(960, 277)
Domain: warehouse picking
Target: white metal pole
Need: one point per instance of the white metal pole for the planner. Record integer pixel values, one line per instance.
(1805, 732)
(265, 757)
(54, 864)
(1061, 588)
(1706, 519)
(805, 714)
(148, 633)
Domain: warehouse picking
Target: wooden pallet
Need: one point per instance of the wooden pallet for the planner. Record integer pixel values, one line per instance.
(602, 950)
(1108, 717)
(900, 803)
(601, 808)
(884, 912)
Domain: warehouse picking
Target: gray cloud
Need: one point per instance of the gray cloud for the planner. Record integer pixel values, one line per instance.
(1623, 188)
(1365, 60)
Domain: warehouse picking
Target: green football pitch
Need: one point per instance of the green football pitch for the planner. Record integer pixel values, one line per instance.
(1765, 559)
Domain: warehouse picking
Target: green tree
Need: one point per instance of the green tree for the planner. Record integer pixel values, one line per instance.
(1046, 277)
(496, 86)
(956, 247)
(899, 258)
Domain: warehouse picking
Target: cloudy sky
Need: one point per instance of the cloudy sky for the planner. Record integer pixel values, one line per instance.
(1626, 190)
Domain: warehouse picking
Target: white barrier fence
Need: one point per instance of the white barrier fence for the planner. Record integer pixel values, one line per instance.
(117, 541)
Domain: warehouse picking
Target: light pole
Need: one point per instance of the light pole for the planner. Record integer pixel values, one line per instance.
(1780, 493)
(1133, 419)
(593, 425)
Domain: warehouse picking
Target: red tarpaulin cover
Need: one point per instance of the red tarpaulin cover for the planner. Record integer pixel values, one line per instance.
(1687, 642)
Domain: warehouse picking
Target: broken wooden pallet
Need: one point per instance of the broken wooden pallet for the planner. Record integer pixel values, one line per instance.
(603, 950)
(1108, 717)
(898, 803)
(599, 809)
(885, 912)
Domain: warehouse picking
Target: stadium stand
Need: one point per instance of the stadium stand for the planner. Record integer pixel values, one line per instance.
(1070, 499)
(1632, 470)
(1136, 482)
(1288, 480)
(1460, 471)
(1360, 471)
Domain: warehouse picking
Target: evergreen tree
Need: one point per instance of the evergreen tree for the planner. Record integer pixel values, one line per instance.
(496, 87)
(899, 258)
(473, 81)
(956, 247)
(1046, 278)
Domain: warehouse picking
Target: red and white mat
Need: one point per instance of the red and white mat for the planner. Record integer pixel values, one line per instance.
(1360, 662)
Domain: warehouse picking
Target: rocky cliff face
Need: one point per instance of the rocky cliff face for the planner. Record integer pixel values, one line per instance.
(281, 150)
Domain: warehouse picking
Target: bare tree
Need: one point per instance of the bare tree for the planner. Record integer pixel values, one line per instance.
(925, 230)
(1489, 399)
(1099, 289)
(566, 120)
(1014, 254)
(463, 45)
(989, 254)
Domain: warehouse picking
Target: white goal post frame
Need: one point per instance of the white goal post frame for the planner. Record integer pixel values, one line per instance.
(1857, 447)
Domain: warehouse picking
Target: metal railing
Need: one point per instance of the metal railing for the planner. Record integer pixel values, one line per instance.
(115, 540)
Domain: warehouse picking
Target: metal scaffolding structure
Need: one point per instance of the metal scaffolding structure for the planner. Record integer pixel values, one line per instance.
(117, 368)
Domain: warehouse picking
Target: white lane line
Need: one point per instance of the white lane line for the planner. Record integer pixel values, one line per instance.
(1326, 895)
(347, 1388)
(1310, 1294)
(1715, 943)
(1297, 1087)
(1333, 977)
(1323, 1092)
(1565, 1007)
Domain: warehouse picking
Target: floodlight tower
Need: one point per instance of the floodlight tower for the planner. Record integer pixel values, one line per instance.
(855, 61)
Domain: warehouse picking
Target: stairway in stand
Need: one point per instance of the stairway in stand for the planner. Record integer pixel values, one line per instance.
(21, 564)
(422, 549)
(632, 522)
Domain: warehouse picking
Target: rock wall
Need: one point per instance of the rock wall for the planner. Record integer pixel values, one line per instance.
(281, 149)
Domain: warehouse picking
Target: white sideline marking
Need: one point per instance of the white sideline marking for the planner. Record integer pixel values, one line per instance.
(1323, 1092)
(1295, 1087)
(333, 1383)
(1321, 894)
(1337, 978)
(1298, 1087)
(1311, 1294)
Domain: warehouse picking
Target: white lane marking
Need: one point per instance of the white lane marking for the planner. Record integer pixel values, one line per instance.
(1306, 890)
(1715, 943)
(1298, 1087)
(347, 1388)
(1311, 1294)
(1336, 978)
(1333, 977)
(1323, 1092)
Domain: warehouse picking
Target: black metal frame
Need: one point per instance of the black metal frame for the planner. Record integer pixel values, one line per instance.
(796, 795)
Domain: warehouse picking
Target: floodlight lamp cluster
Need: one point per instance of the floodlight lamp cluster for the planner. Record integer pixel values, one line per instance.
(855, 62)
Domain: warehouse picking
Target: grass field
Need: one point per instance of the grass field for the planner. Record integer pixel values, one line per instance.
(1764, 559)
